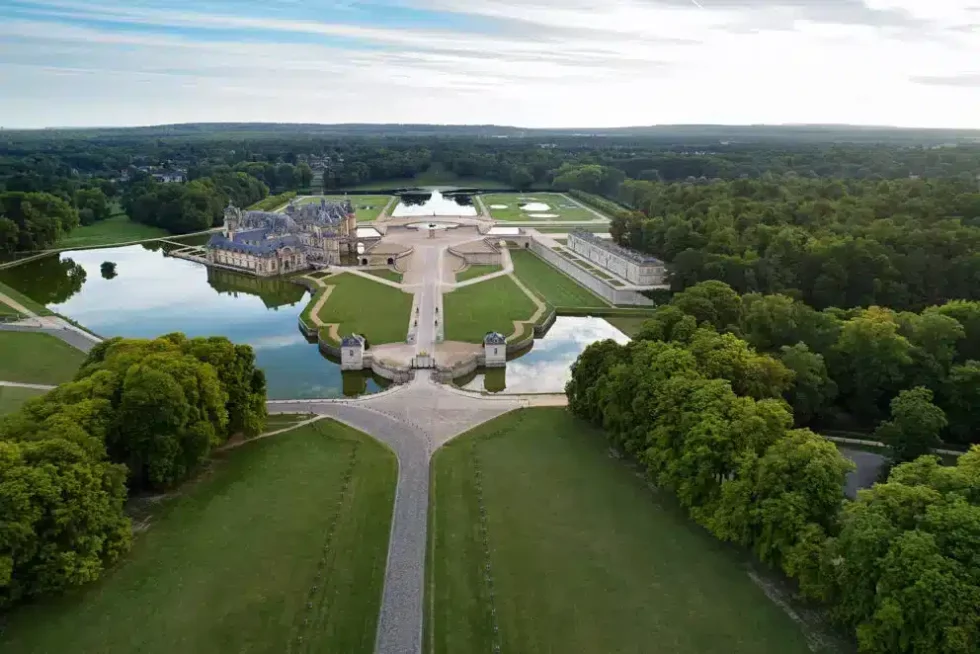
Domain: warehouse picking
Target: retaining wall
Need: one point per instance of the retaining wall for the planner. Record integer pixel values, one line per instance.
(388, 370)
(607, 292)
(446, 374)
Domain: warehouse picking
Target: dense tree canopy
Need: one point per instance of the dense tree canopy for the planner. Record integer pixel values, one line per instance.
(146, 411)
(904, 244)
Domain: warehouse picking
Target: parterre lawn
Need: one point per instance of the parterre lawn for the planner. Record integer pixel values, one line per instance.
(476, 271)
(493, 305)
(550, 284)
(36, 358)
(384, 273)
(558, 205)
(376, 311)
(231, 561)
(115, 229)
(627, 324)
(584, 557)
(12, 397)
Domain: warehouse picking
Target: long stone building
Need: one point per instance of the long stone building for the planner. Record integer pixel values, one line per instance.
(304, 236)
(635, 267)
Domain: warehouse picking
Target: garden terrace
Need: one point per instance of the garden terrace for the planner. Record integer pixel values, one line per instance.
(490, 306)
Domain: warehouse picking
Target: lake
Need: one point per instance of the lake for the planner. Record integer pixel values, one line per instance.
(546, 368)
(435, 204)
(153, 295)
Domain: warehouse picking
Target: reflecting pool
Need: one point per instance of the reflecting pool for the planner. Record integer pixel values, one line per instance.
(150, 294)
(434, 204)
(546, 368)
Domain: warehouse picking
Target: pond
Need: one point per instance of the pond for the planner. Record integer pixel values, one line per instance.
(151, 295)
(434, 204)
(546, 368)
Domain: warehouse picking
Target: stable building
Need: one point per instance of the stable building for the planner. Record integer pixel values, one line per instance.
(635, 267)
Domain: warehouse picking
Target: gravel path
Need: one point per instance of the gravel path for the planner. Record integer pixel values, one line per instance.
(66, 332)
(400, 622)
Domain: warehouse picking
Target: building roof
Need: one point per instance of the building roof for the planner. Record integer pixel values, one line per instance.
(612, 247)
(494, 338)
(256, 241)
(354, 340)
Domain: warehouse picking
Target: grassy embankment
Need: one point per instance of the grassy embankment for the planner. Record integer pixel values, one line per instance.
(270, 551)
(12, 398)
(437, 175)
(584, 557)
(377, 311)
(118, 228)
(559, 207)
(550, 284)
(493, 305)
(36, 358)
(384, 273)
(472, 272)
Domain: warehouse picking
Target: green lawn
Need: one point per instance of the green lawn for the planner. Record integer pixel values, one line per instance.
(564, 229)
(436, 176)
(559, 206)
(627, 324)
(230, 563)
(493, 305)
(384, 273)
(116, 229)
(584, 557)
(376, 311)
(36, 358)
(550, 284)
(367, 207)
(11, 397)
(24, 301)
(279, 421)
(473, 272)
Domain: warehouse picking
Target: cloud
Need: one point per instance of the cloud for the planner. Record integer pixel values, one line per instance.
(964, 79)
(538, 63)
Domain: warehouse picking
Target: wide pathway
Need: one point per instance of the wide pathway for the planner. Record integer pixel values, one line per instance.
(414, 420)
(428, 302)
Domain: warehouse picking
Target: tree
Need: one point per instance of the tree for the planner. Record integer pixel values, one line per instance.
(304, 175)
(813, 391)
(915, 425)
(869, 361)
(108, 269)
(713, 302)
(776, 499)
(92, 205)
(62, 515)
(961, 397)
(40, 219)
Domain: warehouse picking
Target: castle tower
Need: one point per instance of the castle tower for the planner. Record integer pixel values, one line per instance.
(494, 350)
(352, 352)
(233, 220)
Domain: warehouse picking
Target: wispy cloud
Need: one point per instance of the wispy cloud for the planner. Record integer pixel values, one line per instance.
(544, 62)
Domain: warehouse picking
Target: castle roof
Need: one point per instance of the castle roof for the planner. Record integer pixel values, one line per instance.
(614, 248)
(494, 338)
(354, 340)
(256, 241)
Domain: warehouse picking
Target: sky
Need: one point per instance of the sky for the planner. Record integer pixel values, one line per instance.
(528, 63)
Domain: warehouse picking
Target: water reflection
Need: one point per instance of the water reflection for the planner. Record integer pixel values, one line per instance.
(434, 204)
(546, 368)
(153, 295)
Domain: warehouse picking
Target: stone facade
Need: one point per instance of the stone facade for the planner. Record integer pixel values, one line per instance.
(266, 244)
(598, 286)
(635, 267)
(494, 350)
(352, 352)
